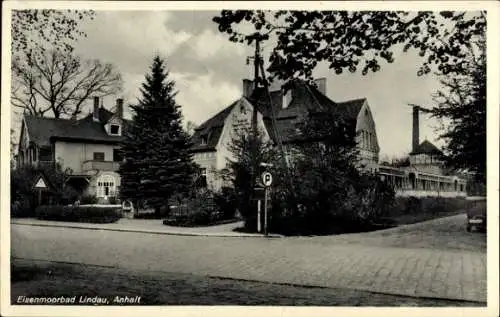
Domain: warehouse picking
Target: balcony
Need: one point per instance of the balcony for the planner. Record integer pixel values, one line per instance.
(109, 166)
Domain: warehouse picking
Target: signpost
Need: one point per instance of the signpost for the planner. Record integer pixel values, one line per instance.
(267, 180)
(259, 196)
(259, 222)
(40, 185)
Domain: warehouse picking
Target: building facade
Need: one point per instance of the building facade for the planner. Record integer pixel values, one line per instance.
(87, 148)
(424, 176)
(213, 139)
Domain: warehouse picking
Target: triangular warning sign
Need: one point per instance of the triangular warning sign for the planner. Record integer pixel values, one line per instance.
(40, 183)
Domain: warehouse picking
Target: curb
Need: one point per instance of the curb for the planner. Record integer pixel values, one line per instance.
(174, 233)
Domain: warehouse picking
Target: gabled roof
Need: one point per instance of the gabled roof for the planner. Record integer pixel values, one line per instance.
(351, 108)
(306, 99)
(211, 130)
(427, 147)
(43, 130)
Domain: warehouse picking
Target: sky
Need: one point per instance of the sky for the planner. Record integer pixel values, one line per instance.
(208, 71)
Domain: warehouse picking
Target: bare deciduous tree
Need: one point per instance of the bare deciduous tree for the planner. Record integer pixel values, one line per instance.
(34, 29)
(59, 83)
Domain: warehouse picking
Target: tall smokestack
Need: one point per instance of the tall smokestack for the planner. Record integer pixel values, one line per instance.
(415, 139)
(119, 108)
(95, 114)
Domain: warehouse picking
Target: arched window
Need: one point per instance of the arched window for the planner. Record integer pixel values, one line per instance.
(106, 186)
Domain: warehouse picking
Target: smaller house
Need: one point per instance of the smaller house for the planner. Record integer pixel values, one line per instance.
(426, 157)
(88, 148)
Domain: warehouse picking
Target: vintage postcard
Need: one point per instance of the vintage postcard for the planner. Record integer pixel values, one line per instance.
(249, 158)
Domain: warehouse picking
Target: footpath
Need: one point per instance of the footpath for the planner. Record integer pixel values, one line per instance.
(151, 226)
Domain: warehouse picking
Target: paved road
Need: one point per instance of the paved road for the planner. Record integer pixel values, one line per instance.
(413, 271)
(446, 233)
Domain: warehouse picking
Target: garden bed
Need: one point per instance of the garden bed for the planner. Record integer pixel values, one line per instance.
(180, 222)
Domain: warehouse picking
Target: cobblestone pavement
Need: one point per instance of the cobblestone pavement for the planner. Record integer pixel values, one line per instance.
(319, 261)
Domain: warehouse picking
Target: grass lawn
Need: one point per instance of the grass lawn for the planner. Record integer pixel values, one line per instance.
(42, 278)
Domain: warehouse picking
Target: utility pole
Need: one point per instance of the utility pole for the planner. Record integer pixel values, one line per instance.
(255, 150)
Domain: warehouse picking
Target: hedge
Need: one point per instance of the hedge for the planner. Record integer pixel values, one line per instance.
(402, 210)
(432, 205)
(204, 209)
(90, 214)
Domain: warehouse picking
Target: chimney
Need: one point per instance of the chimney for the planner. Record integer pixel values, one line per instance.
(119, 108)
(247, 88)
(95, 114)
(321, 85)
(415, 139)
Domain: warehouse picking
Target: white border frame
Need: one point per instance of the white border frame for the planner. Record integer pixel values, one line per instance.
(492, 151)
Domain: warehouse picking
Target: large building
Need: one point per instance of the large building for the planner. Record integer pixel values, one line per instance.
(213, 139)
(88, 148)
(425, 174)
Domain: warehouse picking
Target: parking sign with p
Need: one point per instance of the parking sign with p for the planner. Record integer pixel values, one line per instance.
(267, 179)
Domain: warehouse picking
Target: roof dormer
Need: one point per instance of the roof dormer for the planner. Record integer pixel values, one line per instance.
(114, 126)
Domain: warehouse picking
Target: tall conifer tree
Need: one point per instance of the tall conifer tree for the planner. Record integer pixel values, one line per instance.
(157, 162)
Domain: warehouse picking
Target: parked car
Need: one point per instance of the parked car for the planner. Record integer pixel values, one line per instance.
(476, 218)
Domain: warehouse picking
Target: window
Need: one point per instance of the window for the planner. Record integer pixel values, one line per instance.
(106, 186)
(243, 109)
(204, 140)
(33, 152)
(98, 156)
(117, 155)
(115, 129)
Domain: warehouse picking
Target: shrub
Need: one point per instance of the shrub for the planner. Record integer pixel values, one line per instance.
(203, 208)
(88, 200)
(325, 207)
(226, 202)
(427, 205)
(69, 195)
(22, 178)
(90, 214)
(113, 200)
(22, 207)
